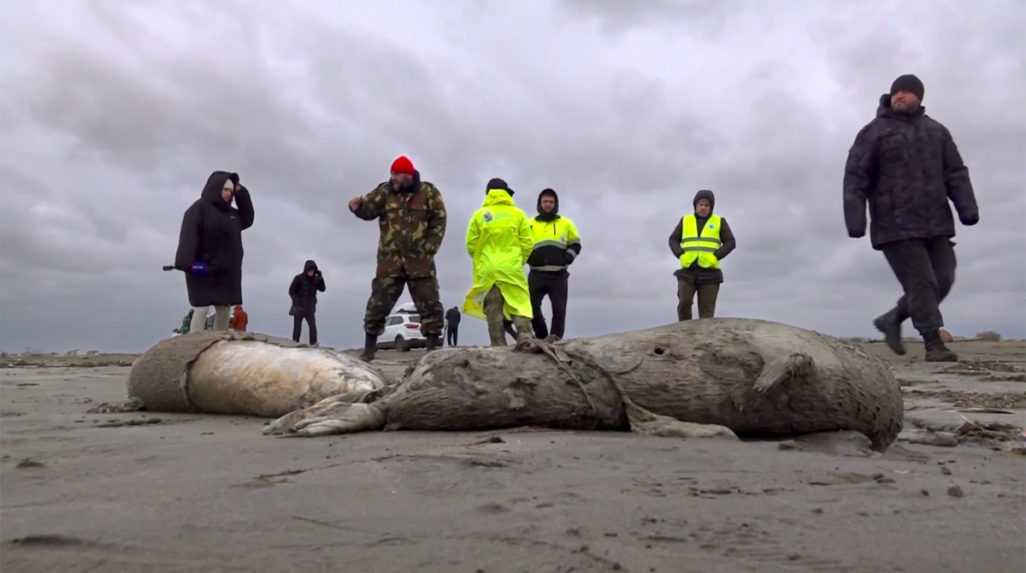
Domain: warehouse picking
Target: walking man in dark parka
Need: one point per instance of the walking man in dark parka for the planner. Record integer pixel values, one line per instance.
(906, 166)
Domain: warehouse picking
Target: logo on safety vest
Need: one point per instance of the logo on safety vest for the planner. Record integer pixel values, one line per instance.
(488, 216)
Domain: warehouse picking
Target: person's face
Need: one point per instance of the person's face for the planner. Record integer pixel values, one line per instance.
(402, 180)
(228, 191)
(548, 204)
(703, 208)
(310, 272)
(904, 101)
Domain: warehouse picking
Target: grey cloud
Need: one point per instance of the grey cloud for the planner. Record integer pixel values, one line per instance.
(113, 115)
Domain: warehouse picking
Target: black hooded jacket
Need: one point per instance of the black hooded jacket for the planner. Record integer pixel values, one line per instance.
(212, 233)
(696, 273)
(907, 168)
(303, 290)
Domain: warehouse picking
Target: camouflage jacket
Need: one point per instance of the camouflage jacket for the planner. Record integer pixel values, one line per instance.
(412, 228)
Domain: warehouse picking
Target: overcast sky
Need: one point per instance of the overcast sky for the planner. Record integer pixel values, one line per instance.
(113, 114)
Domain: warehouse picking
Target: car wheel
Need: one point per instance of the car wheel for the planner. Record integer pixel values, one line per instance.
(400, 344)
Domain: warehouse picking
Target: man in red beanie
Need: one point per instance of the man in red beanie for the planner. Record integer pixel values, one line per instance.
(411, 217)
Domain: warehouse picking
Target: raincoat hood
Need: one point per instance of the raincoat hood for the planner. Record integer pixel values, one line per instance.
(498, 197)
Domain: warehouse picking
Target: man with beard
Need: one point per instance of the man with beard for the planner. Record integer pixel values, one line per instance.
(411, 219)
(556, 246)
(906, 166)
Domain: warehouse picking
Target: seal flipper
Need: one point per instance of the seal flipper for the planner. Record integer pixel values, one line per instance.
(775, 372)
(334, 415)
(644, 421)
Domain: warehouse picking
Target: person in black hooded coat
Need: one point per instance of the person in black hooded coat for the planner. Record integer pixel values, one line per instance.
(303, 292)
(210, 247)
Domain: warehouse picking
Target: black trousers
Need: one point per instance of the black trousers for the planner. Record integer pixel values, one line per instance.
(555, 286)
(452, 335)
(297, 325)
(926, 270)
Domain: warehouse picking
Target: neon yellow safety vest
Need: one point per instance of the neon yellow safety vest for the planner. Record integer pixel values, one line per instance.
(700, 245)
(552, 240)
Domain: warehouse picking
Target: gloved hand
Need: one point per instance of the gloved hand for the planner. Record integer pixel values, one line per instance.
(200, 269)
(568, 258)
(970, 219)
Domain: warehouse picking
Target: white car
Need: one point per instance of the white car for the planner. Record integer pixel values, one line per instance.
(402, 330)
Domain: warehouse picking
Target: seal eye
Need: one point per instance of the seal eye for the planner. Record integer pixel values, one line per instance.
(659, 350)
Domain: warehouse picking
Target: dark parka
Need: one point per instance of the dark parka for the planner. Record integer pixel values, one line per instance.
(303, 289)
(212, 233)
(907, 167)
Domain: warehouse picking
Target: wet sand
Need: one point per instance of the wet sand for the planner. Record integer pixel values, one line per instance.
(184, 492)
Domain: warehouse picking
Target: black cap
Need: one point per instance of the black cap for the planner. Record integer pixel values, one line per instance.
(909, 83)
(496, 183)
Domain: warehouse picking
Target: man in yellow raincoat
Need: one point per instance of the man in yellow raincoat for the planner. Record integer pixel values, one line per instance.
(499, 242)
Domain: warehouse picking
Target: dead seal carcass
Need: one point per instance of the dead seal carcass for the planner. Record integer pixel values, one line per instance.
(696, 377)
(243, 373)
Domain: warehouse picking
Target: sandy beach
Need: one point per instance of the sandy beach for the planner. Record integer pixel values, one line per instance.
(147, 491)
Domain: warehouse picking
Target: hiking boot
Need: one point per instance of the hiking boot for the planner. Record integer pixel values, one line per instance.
(890, 326)
(493, 307)
(936, 351)
(370, 347)
(434, 342)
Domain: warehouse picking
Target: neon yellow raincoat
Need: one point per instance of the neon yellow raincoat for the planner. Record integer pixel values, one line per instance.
(499, 242)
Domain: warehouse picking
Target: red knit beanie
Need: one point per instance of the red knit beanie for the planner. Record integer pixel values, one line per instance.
(402, 164)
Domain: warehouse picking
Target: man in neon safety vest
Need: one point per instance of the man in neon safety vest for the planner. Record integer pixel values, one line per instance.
(556, 246)
(700, 241)
(499, 243)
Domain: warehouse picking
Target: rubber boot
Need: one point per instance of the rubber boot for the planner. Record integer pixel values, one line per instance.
(890, 326)
(370, 347)
(525, 334)
(936, 351)
(493, 305)
(434, 342)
